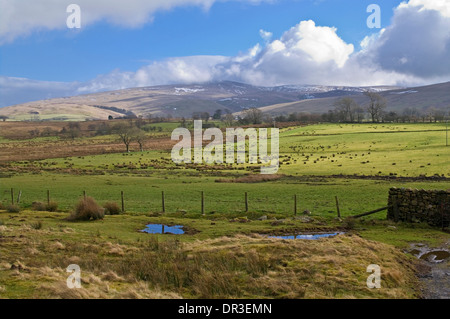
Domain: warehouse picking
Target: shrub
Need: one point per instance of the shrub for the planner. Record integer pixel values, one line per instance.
(52, 206)
(13, 208)
(87, 209)
(111, 208)
(38, 207)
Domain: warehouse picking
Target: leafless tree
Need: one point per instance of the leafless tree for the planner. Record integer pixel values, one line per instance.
(126, 134)
(253, 116)
(346, 107)
(140, 137)
(377, 104)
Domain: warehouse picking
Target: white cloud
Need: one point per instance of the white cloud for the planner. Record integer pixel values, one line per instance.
(21, 17)
(321, 44)
(443, 6)
(417, 43)
(265, 35)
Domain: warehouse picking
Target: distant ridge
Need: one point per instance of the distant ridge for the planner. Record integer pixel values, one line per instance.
(184, 100)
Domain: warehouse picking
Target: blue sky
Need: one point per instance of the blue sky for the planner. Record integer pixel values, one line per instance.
(225, 29)
(150, 42)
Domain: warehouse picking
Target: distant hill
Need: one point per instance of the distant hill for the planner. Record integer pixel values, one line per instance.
(422, 98)
(184, 100)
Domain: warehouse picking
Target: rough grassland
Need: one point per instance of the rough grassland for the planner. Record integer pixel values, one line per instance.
(33, 262)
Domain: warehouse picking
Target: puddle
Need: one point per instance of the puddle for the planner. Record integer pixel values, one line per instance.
(435, 256)
(431, 255)
(163, 229)
(307, 236)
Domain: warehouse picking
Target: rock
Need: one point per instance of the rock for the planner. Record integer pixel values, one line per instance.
(307, 212)
(263, 218)
(392, 227)
(277, 223)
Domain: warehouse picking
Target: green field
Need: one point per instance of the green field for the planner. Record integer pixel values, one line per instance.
(353, 162)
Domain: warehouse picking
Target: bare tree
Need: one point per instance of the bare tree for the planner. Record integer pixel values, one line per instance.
(140, 137)
(347, 108)
(126, 134)
(376, 106)
(253, 116)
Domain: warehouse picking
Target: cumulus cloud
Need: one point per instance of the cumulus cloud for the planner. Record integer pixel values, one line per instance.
(417, 42)
(413, 50)
(304, 53)
(170, 71)
(21, 17)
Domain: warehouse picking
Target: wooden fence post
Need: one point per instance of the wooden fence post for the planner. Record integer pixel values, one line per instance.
(246, 202)
(123, 202)
(48, 197)
(337, 207)
(18, 197)
(203, 203)
(84, 195)
(295, 205)
(12, 196)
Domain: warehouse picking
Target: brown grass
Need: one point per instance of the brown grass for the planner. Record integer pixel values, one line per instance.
(38, 207)
(13, 208)
(20, 148)
(87, 209)
(112, 208)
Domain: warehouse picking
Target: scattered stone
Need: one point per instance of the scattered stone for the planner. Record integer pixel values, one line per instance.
(277, 222)
(263, 218)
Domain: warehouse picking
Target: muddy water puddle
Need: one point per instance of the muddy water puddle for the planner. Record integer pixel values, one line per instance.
(431, 255)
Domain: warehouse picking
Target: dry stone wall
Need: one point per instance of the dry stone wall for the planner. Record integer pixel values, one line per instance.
(413, 205)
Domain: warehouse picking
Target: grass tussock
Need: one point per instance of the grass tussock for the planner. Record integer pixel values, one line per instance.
(37, 225)
(52, 206)
(112, 208)
(38, 207)
(87, 209)
(13, 208)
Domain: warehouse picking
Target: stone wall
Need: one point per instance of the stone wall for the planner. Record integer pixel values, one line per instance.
(413, 205)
